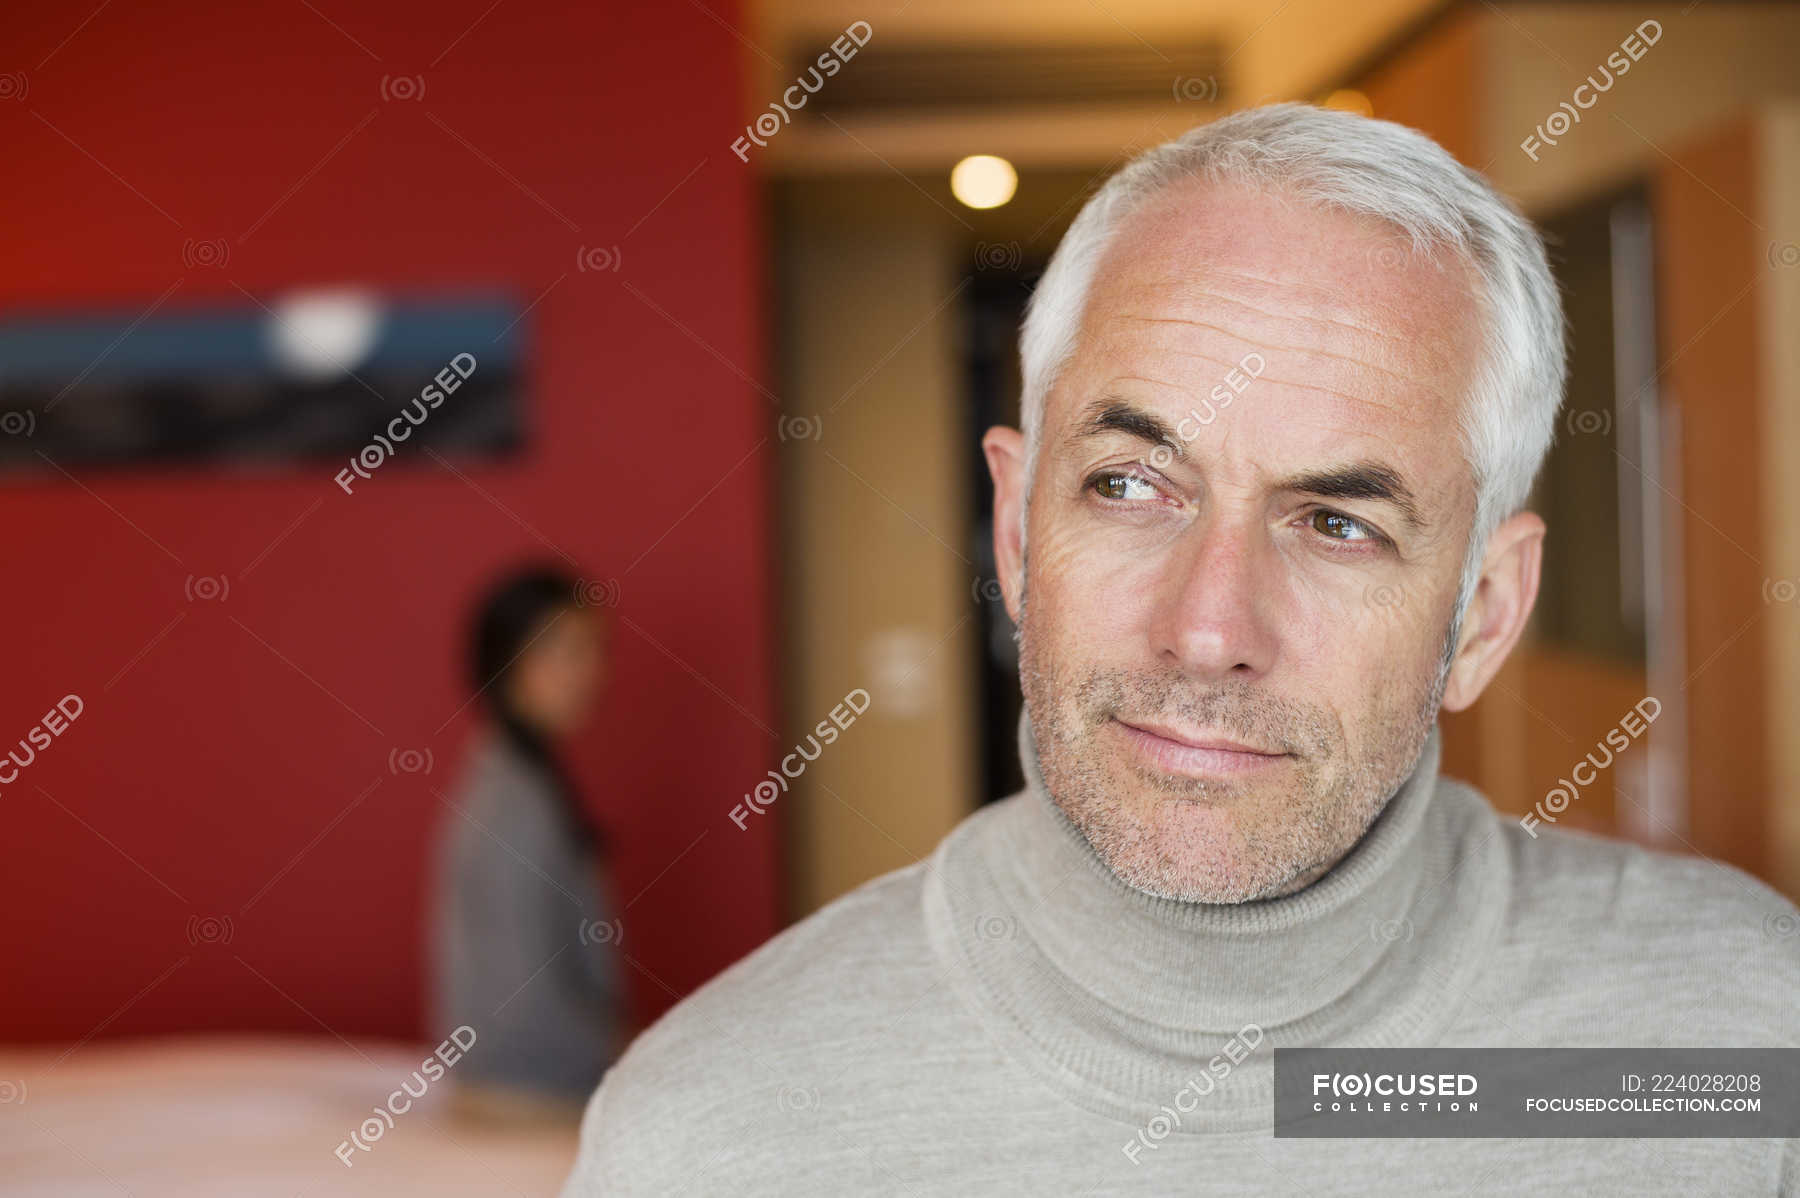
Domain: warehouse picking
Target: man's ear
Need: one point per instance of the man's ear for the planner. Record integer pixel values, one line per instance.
(1004, 449)
(1499, 608)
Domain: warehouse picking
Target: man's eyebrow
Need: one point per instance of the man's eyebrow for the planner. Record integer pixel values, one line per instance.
(1363, 480)
(1360, 480)
(1116, 416)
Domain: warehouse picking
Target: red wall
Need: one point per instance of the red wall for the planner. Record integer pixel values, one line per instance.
(224, 763)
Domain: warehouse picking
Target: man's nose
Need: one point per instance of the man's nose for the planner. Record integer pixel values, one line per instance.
(1215, 614)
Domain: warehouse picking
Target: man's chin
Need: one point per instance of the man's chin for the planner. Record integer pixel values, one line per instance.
(1182, 884)
(1189, 851)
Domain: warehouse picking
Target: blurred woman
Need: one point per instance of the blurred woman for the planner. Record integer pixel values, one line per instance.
(524, 931)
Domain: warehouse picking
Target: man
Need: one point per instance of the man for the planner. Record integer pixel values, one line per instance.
(1287, 382)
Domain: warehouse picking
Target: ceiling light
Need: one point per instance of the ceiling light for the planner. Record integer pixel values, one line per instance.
(983, 181)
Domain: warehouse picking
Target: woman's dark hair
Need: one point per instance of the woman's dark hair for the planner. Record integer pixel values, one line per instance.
(510, 614)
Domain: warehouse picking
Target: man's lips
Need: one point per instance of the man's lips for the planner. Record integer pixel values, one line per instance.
(1184, 751)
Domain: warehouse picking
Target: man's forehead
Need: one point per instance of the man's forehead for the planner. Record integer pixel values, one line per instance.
(1345, 324)
(1260, 265)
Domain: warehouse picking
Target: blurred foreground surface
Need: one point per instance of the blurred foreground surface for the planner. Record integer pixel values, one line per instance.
(251, 1115)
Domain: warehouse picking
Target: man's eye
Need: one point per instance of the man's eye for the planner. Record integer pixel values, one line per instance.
(1340, 527)
(1115, 484)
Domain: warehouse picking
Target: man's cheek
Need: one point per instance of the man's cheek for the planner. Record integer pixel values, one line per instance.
(1106, 621)
(1336, 599)
(1061, 590)
(1054, 551)
(1360, 615)
(1089, 568)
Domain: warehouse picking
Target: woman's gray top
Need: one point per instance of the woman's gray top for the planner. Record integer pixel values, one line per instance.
(524, 941)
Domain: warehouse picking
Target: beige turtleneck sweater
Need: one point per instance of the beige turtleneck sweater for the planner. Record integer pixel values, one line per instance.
(1006, 1017)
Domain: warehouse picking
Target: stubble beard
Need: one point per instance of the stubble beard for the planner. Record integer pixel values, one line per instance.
(1262, 839)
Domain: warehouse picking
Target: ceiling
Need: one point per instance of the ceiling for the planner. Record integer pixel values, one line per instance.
(1263, 50)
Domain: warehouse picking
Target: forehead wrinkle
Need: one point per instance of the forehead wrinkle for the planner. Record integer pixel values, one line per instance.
(1415, 319)
(1389, 406)
(1342, 328)
(1173, 246)
(1297, 350)
(1330, 424)
(1328, 322)
(1079, 428)
(1335, 292)
(1232, 364)
(1284, 283)
(1138, 378)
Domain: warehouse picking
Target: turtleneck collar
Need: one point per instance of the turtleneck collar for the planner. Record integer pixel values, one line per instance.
(1119, 998)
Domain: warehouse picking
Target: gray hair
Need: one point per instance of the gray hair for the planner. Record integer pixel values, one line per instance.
(1367, 167)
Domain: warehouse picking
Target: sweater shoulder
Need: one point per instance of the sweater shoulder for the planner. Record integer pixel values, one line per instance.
(1682, 939)
(804, 979)
(1610, 885)
(757, 1046)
